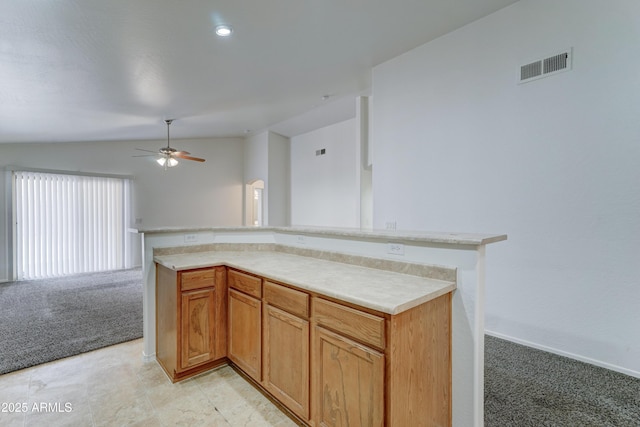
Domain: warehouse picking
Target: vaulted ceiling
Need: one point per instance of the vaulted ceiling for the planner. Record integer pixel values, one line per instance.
(88, 70)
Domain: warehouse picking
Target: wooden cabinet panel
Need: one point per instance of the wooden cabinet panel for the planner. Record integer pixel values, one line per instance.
(220, 314)
(245, 335)
(348, 384)
(353, 323)
(197, 279)
(286, 359)
(419, 359)
(291, 300)
(197, 331)
(191, 320)
(167, 326)
(246, 283)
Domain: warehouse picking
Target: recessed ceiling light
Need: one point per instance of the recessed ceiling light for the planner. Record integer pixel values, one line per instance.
(224, 30)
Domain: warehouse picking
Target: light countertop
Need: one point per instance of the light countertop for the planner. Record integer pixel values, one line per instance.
(398, 236)
(380, 290)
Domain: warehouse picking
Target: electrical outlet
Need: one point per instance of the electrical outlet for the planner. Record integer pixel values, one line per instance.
(301, 240)
(390, 225)
(190, 238)
(395, 248)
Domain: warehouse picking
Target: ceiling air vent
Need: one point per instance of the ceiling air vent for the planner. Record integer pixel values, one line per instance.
(545, 67)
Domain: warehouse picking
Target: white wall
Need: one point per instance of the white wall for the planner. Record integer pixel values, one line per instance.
(555, 163)
(325, 189)
(279, 176)
(191, 194)
(266, 157)
(256, 155)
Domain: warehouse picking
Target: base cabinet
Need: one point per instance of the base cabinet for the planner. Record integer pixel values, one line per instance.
(331, 363)
(348, 383)
(191, 321)
(197, 333)
(245, 336)
(286, 359)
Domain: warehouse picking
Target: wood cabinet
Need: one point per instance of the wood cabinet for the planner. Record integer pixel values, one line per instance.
(286, 347)
(418, 378)
(191, 325)
(245, 323)
(348, 382)
(197, 335)
(375, 369)
(331, 363)
(349, 373)
(357, 324)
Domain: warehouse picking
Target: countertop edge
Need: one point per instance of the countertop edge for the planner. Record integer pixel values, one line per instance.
(415, 237)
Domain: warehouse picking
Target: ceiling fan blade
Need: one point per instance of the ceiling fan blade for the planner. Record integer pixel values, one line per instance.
(148, 151)
(182, 156)
(180, 153)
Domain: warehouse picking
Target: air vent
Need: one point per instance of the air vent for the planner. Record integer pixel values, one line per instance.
(556, 63)
(530, 71)
(545, 67)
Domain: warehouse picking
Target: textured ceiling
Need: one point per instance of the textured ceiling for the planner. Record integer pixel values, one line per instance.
(85, 70)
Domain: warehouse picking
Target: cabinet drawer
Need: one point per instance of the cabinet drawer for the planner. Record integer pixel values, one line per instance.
(356, 324)
(246, 283)
(287, 299)
(196, 279)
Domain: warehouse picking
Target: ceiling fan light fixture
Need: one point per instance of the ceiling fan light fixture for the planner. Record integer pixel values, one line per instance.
(224, 30)
(167, 161)
(168, 155)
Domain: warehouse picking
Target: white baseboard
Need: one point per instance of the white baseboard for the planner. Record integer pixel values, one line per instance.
(578, 357)
(148, 357)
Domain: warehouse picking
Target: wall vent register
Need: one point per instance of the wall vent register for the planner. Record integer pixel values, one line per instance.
(546, 67)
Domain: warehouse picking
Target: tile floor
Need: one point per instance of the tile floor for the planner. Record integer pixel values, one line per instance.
(115, 387)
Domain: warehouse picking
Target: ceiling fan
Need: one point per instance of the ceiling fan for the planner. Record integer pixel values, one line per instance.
(168, 155)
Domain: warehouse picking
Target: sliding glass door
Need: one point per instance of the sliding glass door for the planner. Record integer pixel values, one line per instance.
(69, 224)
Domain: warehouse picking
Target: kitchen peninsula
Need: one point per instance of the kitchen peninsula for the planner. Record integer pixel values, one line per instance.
(335, 270)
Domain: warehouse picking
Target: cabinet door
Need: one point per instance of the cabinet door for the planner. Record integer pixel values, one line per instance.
(348, 386)
(197, 334)
(245, 333)
(286, 359)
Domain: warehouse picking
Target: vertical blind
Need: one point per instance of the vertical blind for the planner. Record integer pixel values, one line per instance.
(69, 224)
